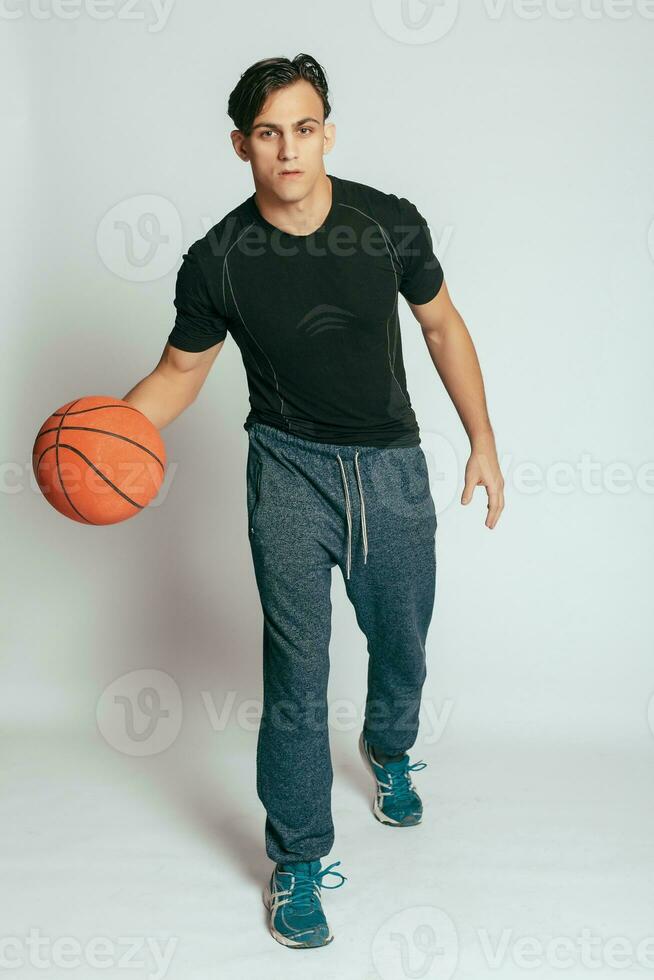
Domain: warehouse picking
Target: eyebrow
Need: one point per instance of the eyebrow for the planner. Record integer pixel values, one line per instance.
(272, 125)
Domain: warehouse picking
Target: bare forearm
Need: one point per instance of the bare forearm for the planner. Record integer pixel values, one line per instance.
(163, 396)
(455, 359)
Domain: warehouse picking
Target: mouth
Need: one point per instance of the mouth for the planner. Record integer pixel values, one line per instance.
(290, 173)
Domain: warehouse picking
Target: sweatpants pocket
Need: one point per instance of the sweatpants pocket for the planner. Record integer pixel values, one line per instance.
(254, 492)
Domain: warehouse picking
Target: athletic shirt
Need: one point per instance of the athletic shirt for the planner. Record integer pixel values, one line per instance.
(315, 316)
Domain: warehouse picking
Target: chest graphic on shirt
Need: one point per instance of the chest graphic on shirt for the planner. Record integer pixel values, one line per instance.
(324, 317)
(311, 299)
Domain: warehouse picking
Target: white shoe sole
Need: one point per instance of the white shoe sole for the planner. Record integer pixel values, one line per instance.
(376, 809)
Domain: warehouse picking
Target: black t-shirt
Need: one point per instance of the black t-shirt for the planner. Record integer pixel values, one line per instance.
(315, 316)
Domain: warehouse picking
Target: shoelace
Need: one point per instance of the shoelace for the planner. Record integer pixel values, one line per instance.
(306, 890)
(400, 785)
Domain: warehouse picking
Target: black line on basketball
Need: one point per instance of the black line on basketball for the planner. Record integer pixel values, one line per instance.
(80, 411)
(56, 446)
(65, 445)
(106, 432)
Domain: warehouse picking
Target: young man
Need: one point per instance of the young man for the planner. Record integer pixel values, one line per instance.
(305, 274)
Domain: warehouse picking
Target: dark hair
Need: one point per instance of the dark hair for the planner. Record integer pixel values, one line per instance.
(264, 77)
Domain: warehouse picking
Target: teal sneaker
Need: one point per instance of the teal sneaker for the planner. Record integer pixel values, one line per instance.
(292, 896)
(396, 800)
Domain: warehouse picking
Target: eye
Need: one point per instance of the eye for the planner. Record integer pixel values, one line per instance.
(308, 129)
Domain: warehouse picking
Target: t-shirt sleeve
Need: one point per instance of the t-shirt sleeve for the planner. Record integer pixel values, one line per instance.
(198, 323)
(422, 273)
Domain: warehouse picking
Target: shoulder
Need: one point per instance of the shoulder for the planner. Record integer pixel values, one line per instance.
(210, 250)
(392, 211)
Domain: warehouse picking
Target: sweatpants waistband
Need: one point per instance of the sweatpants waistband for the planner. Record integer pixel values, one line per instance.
(348, 451)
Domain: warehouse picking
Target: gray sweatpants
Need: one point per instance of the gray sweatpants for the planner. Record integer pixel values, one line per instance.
(370, 511)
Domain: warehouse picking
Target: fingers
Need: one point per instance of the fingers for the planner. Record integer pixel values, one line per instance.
(495, 507)
(493, 481)
(468, 489)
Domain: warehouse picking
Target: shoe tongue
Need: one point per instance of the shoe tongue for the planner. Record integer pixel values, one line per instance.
(304, 867)
(395, 766)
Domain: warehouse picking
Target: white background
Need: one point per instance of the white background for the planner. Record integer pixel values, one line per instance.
(523, 135)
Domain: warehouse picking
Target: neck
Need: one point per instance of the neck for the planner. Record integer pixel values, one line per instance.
(297, 217)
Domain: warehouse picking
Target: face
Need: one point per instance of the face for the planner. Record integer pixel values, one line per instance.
(288, 135)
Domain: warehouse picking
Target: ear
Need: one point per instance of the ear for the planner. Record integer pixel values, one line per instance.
(238, 142)
(329, 137)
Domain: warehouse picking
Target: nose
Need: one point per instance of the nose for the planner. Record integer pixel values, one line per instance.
(287, 148)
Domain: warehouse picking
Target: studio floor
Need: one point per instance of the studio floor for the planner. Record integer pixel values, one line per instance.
(531, 861)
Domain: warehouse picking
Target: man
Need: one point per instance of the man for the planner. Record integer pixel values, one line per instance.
(305, 274)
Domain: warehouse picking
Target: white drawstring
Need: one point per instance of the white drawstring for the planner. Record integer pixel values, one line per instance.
(348, 512)
(363, 510)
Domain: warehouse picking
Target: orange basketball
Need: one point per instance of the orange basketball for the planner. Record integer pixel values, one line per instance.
(98, 460)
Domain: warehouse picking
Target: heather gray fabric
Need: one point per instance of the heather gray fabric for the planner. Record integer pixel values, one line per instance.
(369, 510)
